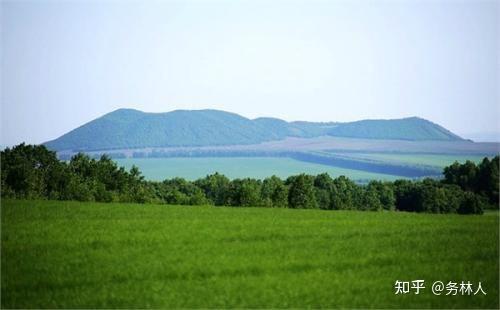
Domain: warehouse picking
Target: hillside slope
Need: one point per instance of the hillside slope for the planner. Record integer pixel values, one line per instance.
(412, 128)
(128, 128)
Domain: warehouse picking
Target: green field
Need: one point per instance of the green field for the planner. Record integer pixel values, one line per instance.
(238, 167)
(436, 160)
(95, 255)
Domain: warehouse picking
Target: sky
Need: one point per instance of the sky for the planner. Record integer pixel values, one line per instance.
(64, 63)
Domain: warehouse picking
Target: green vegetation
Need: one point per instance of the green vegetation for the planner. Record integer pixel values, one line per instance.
(127, 129)
(97, 255)
(435, 160)
(481, 179)
(192, 168)
(347, 161)
(356, 166)
(35, 172)
(413, 128)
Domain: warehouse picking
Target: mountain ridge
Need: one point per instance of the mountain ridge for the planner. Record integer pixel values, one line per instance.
(131, 128)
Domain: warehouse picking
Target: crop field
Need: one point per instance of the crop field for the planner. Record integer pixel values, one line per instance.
(386, 164)
(238, 167)
(441, 160)
(96, 255)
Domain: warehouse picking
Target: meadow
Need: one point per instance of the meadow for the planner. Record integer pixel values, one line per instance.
(192, 168)
(98, 255)
(436, 160)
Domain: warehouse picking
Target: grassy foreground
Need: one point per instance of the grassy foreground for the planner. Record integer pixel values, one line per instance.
(86, 255)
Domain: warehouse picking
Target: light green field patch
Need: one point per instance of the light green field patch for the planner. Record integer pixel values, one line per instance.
(416, 159)
(96, 255)
(238, 167)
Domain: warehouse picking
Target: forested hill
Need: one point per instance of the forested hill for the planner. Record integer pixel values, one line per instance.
(128, 128)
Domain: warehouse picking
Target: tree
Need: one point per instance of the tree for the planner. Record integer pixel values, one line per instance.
(371, 200)
(323, 188)
(216, 188)
(471, 204)
(408, 196)
(181, 191)
(343, 194)
(245, 193)
(463, 175)
(488, 180)
(301, 193)
(385, 193)
(83, 166)
(432, 198)
(482, 179)
(57, 182)
(453, 197)
(274, 193)
(78, 189)
(26, 170)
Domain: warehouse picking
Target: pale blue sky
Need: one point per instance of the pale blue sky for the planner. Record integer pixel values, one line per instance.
(67, 62)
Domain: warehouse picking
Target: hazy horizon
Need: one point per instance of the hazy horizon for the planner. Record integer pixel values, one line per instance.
(475, 136)
(67, 63)
(484, 136)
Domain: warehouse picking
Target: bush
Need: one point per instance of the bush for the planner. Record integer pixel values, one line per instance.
(471, 204)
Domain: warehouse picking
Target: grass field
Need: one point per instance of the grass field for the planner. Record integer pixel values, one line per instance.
(436, 160)
(93, 255)
(238, 167)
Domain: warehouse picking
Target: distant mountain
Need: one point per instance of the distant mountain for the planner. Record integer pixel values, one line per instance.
(412, 128)
(128, 128)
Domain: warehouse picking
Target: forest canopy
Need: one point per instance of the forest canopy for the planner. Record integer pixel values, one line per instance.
(34, 172)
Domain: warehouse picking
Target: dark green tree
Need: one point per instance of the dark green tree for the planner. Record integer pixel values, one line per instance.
(385, 193)
(323, 188)
(274, 193)
(216, 188)
(245, 193)
(488, 180)
(344, 194)
(471, 204)
(301, 192)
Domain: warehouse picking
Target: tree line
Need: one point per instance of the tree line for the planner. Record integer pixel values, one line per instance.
(34, 172)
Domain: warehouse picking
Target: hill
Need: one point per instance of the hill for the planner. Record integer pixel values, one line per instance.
(412, 128)
(128, 128)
